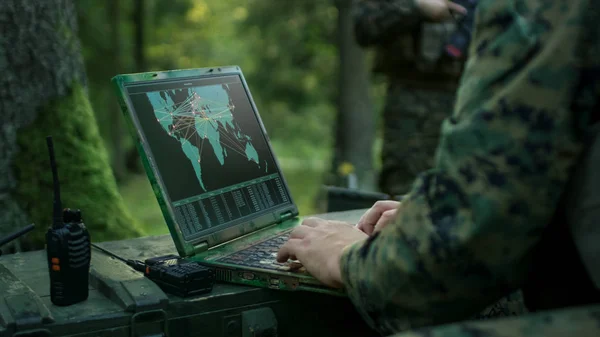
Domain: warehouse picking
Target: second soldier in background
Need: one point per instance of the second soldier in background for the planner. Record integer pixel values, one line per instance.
(420, 49)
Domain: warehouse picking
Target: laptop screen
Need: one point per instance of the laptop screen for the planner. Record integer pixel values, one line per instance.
(212, 156)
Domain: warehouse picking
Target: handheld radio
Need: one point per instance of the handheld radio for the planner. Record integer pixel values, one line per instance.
(172, 274)
(67, 248)
(179, 277)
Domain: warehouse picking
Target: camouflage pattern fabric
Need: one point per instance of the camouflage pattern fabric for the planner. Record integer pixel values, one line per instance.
(575, 322)
(417, 101)
(408, 47)
(412, 122)
(510, 305)
(382, 21)
(465, 233)
(422, 81)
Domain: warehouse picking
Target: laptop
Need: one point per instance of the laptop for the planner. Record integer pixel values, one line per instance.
(215, 176)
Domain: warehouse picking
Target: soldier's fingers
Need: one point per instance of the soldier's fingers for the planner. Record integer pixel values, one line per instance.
(385, 219)
(365, 228)
(361, 221)
(364, 219)
(337, 223)
(289, 250)
(370, 218)
(364, 215)
(360, 226)
(294, 265)
(367, 221)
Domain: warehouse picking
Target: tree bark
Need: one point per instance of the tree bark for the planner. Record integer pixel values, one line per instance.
(139, 22)
(355, 125)
(118, 149)
(133, 161)
(43, 92)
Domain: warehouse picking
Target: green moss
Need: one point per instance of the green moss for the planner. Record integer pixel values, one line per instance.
(140, 199)
(87, 181)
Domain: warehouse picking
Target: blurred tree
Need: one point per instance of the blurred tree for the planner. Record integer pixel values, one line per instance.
(288, 60)
(299, 68)
(296, 67)
(131, 155)
(287, 50)
(296, 49)
(288, 55)
(355, 124)
(101, 35)
(118, 148)
(139, 20)
(44, 92)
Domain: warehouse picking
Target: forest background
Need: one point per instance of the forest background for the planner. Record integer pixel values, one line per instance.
(310, 81)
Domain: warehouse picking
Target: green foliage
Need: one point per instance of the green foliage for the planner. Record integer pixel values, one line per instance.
(139, 198)
(104, 58)
(287, 50)
(91, 187)
(196, 34)
(295, 51)
(287, 53)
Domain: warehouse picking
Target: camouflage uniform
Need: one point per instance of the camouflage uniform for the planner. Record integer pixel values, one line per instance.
(576, 322)
(485, 220)
(422, 82)
(422, 85)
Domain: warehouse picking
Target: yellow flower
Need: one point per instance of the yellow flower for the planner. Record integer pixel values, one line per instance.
(345, 168)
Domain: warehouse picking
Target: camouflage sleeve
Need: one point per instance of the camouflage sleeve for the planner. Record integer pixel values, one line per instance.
(463, 235)
(580, 322)
(380, 21)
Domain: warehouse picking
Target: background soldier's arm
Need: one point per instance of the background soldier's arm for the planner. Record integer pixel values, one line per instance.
(381, 21)
(464, 235)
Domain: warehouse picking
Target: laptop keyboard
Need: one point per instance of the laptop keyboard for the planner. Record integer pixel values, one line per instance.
(262, 255)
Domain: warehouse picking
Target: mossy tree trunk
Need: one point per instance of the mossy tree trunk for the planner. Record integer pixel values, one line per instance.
(43, 92)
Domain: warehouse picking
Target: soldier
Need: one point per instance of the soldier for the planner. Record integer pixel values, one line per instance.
(503, 207)
(410, 38)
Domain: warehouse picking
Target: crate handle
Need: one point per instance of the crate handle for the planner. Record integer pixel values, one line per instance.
(165, 327)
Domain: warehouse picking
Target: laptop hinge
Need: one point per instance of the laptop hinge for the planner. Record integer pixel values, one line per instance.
(286, 215)
(199, 248)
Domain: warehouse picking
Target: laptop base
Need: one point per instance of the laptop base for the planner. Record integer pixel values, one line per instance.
(251, 260)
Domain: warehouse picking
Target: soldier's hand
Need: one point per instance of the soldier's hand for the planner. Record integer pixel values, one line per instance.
(439, 10)
(318, 244)
(378, 216)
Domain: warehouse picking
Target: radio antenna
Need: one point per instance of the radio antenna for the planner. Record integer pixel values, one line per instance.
(57, 216)
(16, 234)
